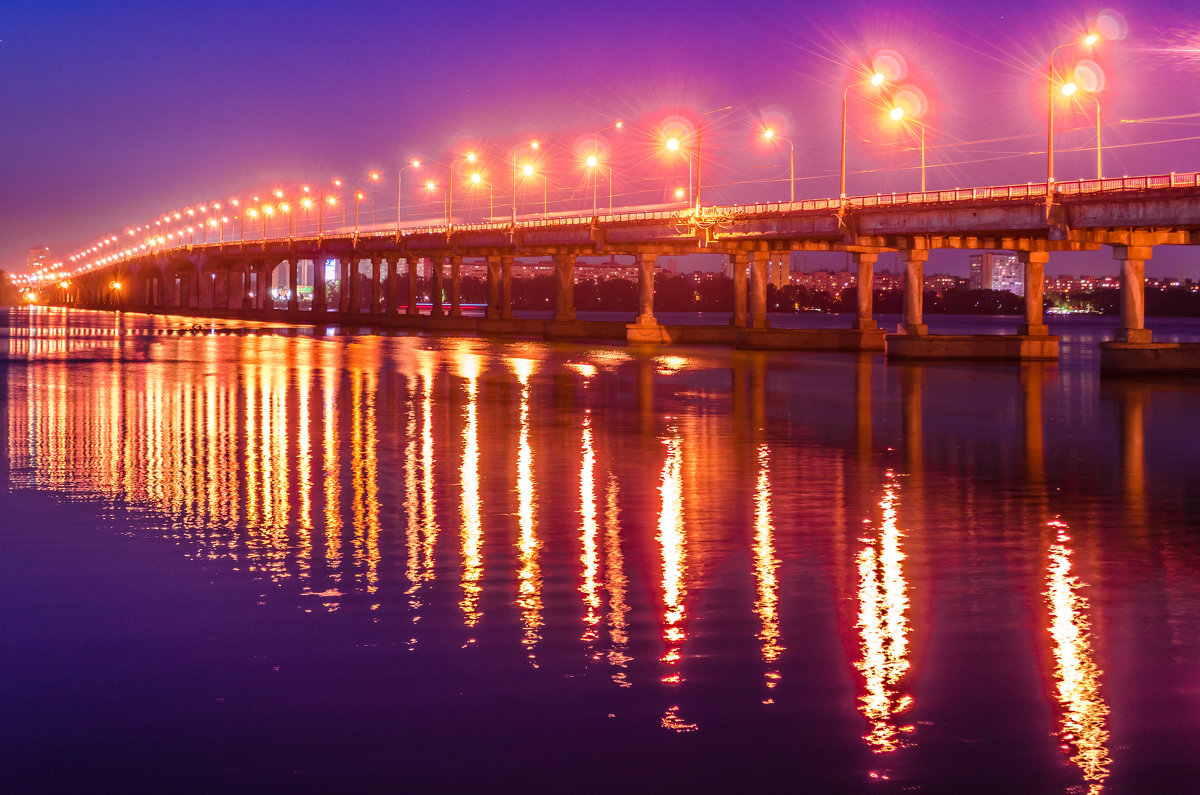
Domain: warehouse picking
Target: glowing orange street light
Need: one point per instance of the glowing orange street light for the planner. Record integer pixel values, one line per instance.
(470, 157)
(877, 80)
(897, 113)
(771, 135)
(527, 169)
(1088, 41)
(414, 164)
(1071, 89)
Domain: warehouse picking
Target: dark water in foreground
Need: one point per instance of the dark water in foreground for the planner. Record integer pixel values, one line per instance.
(274, 561)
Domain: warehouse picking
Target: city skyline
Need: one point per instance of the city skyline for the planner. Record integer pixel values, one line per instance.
(515, 97)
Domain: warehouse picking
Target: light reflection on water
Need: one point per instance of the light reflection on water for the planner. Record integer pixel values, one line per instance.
(667, 519)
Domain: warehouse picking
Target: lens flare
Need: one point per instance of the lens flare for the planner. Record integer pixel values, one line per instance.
(911, 100)
(1089, 76)
(1111, 25)
(890, 64)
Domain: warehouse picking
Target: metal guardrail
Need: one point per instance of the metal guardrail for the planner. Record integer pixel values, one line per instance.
(1033, 190)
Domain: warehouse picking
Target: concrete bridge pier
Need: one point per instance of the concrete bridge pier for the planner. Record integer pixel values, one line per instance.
(293, 266)
(493, 288)
(1132, 350)
(914, 291)
(233, 289)
(1034, 263)
(393, 287)
(412, 310)
(738, 261)
(645, 328)
(265, 291)
(319, 304)
(506, 288)
(436, 263)
(564, 295)
(354, 277)
(758, 289)
(455, 286)
(376, 284)
(247, 287)
(864, 262)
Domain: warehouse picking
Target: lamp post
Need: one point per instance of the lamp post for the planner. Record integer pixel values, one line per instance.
(673, 146)
(414, 164)
(477, 179)
(1088, 41)
(527, 169)
(470, 157)
(374, 177)
(876, 80)
(897, 113)
(771, 135)
(1070, 89)
(699, 145)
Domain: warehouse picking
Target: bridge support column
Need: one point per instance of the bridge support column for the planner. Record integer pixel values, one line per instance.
(1133, 293)
(247, 287)
(412, 286)
(354, 304)
(293, 265)
(864, 262)
(493, 288)
(758, 289)
(737, 262)
(914, 291)
(506, 288)
(645, 316)
(376, 278)
(455, 286)
(564, 296)
(393, 287)
(233, 290)
(319, 303)
(266, 290)
(1035, 288)
(435, 266)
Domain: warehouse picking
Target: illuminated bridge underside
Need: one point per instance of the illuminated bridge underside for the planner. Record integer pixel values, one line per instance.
(1131, 215)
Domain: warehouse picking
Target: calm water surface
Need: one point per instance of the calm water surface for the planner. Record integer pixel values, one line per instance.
(267, 559)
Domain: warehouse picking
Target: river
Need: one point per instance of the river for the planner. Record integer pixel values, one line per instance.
(243, 557)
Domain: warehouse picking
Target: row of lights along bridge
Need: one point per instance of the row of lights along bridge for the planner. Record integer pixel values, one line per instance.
(195, 224)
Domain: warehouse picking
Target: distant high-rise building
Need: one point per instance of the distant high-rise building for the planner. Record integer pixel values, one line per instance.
(37, 258)
(996, 271)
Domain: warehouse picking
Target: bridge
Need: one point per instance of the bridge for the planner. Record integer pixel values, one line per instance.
(1130, 215)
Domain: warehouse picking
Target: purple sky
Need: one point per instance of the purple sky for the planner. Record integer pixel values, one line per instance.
(116, 113)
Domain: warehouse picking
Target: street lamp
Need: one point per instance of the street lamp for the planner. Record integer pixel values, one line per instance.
(699, 144)
(527, 169)
(673, 146)
(876, 80)
(771, 135)
(897, 113)
(414, 163)
(374, 177)
(477, 179)
(1088, 41)
(470, 157)
(593, 163)
(1071, 89)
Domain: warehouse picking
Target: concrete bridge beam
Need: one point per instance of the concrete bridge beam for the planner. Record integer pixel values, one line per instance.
(1035, 286)
(864, 262)
(1133, 293)
(914, 291)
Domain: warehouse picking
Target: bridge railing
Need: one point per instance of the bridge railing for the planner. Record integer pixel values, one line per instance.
(1031, 190)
